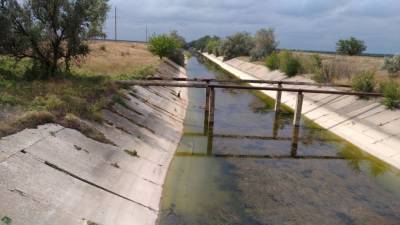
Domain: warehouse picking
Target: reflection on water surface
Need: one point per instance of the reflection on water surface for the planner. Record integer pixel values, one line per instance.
(256, 174)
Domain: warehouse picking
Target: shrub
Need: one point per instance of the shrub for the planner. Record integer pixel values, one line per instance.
(236, 45)
(288, 63)
(351, 46)
(264, 44)
(168, 46)
(364, 82)
(212, 47)
(163, 46)
(103, 48)
(392, 65)
(313, 64)
(272, 61)
(178, 57)
(391, 94)
(178, 38)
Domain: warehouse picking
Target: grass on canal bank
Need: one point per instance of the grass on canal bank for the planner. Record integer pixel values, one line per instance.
(70, 98)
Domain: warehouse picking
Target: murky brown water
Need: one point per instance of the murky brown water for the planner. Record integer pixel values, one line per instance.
(256, 175)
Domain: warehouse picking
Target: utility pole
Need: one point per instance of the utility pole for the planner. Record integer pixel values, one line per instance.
(146, 34)
(115, 23)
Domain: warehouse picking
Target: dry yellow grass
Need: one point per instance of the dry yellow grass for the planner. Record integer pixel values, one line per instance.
(355, 64)
(114, 58)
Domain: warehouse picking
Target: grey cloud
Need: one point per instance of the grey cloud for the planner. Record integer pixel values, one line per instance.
(301, 24)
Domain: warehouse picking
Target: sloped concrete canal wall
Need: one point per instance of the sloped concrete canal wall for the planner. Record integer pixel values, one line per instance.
(365, 123)
(55, 175)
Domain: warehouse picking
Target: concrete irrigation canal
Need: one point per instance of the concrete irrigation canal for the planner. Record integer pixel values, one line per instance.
(253, 173)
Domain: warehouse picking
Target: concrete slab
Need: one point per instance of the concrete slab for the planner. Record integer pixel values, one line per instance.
(56, 175)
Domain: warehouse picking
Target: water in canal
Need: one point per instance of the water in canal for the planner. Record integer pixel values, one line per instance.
(324, 180)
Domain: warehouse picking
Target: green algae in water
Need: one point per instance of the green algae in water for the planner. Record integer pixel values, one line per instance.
(209, 190)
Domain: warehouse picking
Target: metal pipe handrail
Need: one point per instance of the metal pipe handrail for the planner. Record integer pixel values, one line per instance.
(199, 84)
(209, 80)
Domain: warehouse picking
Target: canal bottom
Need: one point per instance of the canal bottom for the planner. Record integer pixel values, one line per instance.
(254, 174)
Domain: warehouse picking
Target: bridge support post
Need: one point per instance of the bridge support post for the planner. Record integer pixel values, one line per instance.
(299, 106)
(210, 133)
(278, 99)
(295, 141)
(207, 110)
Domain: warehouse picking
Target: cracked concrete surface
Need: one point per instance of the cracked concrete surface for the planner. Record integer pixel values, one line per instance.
(365, 123)
(55, 175)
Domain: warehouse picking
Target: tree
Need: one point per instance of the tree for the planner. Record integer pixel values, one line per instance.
(264, 44)
(181, 40)
(212, 46)
(236, 45)
(201, 43)
(351, 46)
(163, 45)
(50, 31)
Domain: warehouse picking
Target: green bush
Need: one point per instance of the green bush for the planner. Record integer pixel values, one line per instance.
(391, 94)
(314, 65)
(163, 46)
(272, 61)
(178, 57)
(288, 63)
(167, 46)
(364, 82)
(213, 46)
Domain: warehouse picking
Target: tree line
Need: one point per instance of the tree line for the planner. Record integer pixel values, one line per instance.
(262, 44)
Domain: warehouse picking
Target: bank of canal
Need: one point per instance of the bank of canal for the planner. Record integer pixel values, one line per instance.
(309, 184)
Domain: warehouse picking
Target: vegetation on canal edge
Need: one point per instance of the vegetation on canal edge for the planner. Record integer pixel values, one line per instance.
(343, 68)
(132, 153)
(68, 99)
(355, 157)
(169, 46)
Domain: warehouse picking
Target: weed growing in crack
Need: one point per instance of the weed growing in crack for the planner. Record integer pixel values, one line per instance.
(132, 153)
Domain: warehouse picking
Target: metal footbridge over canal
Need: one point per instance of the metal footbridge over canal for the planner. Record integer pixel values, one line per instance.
(278, 86)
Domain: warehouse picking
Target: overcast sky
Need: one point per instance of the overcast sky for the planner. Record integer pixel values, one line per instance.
(299, 24)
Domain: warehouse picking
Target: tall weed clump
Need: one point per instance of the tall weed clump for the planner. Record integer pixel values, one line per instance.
(289, 64)
(364, 82)
(272, 61)
(392, 65)
(391, 95)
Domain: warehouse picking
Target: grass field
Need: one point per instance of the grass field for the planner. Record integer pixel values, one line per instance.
(115, 58)
(74, 96)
